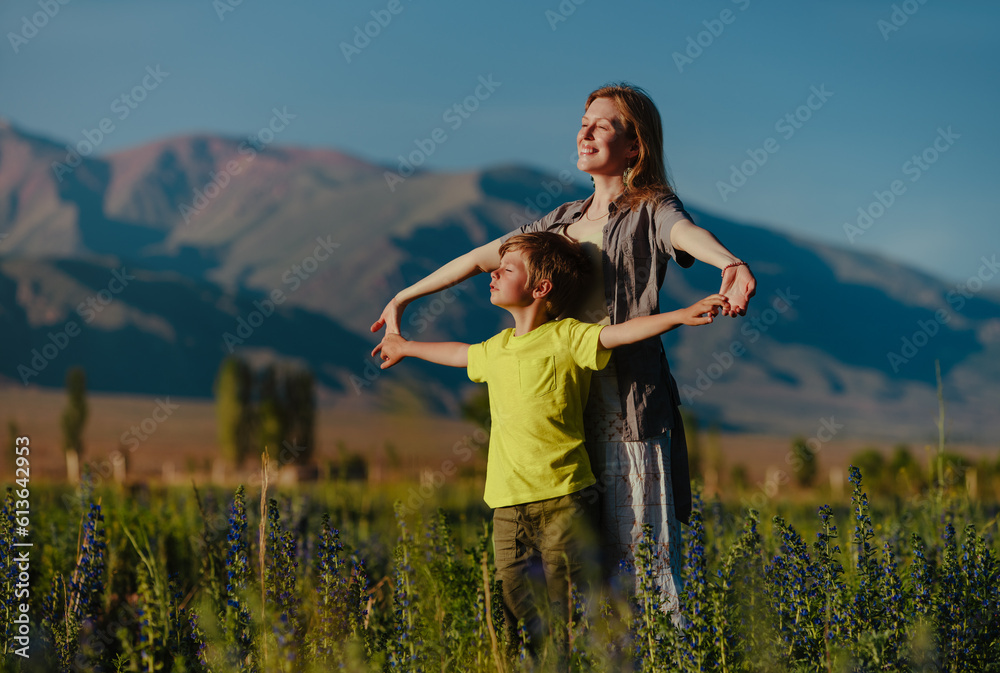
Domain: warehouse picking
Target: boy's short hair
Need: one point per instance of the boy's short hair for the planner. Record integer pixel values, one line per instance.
(561, 260)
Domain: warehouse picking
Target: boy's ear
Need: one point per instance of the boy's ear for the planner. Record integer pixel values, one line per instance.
(542, 288)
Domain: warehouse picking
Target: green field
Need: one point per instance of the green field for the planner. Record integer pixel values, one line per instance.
(343, 575)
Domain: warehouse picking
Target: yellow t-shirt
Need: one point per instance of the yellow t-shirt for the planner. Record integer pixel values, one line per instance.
(539, 384)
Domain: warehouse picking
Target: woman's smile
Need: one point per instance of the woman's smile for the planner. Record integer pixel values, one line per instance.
(603, 144)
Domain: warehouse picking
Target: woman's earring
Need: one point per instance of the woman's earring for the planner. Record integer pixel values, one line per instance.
(627, 177)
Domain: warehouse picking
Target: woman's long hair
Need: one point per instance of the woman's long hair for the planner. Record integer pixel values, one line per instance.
(647, 180)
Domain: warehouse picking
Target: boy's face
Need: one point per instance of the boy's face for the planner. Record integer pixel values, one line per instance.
(509, 283)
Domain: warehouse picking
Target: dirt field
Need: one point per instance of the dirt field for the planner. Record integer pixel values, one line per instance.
(175, 439)
(164, 435)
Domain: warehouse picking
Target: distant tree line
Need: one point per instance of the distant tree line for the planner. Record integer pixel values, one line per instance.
(274, 409)
(73, 421)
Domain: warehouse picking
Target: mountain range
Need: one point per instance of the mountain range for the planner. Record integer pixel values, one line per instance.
(148, 266)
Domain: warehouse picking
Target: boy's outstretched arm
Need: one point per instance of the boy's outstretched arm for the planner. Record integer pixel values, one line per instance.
(394, 348)
(637, 329)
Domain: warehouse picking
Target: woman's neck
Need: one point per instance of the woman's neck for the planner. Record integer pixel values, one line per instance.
(607, 188)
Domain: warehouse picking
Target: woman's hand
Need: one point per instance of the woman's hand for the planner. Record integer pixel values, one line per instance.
(483, 259)
(738, 283)
(391, 318)
(738, 286)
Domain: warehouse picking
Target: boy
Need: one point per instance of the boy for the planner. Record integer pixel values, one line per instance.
(538, 476)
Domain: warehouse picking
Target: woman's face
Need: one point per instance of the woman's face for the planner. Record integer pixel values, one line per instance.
(603, 145)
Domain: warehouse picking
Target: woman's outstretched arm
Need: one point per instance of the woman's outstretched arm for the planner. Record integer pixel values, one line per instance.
(483, 259)
(738, 282)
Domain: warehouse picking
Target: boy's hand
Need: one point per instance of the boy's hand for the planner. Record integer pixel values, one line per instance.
(392, 347)
(644, 327)
(704, 311)
(391, 316)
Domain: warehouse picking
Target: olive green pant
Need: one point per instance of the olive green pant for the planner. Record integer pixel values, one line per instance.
(542, 548)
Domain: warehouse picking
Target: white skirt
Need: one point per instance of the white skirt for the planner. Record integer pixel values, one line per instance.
(635, 485)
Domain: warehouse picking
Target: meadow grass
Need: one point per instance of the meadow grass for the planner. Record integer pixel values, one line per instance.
(344, 576)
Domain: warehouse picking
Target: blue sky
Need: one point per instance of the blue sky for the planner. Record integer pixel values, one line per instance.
(894, 79)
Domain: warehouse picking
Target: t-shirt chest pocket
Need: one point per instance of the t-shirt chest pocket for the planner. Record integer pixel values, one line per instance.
(537, 376)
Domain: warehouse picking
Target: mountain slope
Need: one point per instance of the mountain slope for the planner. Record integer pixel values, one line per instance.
(158, 333)
(832, 333)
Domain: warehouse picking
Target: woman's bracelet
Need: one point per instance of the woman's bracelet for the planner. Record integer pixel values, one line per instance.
(729, 266)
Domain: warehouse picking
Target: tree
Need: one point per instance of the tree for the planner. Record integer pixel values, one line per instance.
(272, 417)
(905, 471)
(233, 410)
(871, 462)
(803, 462)
(275, 410)
(74, 419)
(300, 407)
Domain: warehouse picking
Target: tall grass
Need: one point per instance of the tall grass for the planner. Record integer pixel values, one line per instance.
(339, 578)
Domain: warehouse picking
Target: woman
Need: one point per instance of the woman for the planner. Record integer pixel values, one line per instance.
(631, 225)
